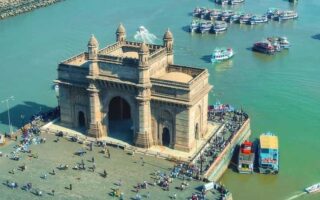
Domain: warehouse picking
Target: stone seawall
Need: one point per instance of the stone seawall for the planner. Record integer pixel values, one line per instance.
(9, 8)
(221, 163)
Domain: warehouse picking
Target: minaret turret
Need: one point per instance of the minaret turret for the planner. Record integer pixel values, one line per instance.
(93, 47)
(168, 41)
(143, 55)
(168, 44)
(121, 33)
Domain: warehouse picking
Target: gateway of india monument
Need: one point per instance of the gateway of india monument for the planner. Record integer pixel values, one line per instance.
(166, 104)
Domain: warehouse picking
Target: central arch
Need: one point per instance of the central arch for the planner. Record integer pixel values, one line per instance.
(120, 120)
(166, 137)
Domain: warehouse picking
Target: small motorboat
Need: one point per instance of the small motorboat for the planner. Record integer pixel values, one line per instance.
(313, 188)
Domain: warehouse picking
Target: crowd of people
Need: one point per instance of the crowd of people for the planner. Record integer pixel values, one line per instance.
(232, 120)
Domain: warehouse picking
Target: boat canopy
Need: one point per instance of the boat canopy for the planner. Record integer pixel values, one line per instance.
(269, 142)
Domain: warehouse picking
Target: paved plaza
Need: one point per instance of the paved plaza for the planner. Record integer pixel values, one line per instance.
(121, 167)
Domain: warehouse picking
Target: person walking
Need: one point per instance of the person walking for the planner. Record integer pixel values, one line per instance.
(93, 167)
(52, 192)
(148, 195)
(70, 186)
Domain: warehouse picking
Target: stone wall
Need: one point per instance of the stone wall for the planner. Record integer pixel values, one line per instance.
(10, 8)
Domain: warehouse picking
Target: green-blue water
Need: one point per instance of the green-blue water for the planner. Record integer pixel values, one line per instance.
(281, 93)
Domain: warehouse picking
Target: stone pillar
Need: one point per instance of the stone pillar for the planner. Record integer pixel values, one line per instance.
(95, 127)
(144, 133)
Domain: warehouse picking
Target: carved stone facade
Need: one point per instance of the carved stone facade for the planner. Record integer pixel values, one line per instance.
(166, 103)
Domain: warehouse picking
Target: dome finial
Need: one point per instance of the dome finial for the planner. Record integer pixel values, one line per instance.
(144, 48)
(168, 35)
(93, 42)
(121, 29)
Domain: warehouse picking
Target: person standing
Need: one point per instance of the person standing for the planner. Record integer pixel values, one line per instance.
(52, 192)
(70, 186)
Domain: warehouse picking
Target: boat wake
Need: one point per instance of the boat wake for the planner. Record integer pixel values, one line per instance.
(296, 196)
(143, 35)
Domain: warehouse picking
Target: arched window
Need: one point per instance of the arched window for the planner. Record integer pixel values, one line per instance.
(81, 119)
(166, 137)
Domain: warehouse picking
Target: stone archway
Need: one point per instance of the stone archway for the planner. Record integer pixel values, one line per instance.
(81, 119)
(166, 140)
(120, 120)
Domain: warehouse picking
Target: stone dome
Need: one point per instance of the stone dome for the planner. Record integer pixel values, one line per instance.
(168, 35)
(121, 29)
(93, 41)
(144, 48)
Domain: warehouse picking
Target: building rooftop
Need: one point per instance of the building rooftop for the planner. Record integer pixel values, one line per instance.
(177, 76)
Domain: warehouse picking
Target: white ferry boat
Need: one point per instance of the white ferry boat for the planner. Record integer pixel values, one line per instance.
(221, 54)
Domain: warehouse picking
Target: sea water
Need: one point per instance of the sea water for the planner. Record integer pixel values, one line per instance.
(281, 93)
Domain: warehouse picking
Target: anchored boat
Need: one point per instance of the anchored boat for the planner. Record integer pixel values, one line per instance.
(205, 26)
(194, 26)
(268, 154)
(257, 19)
(225, 15)
(221, 54)
(219, 27)
(246, 158)
(264, 47)
(235, 17)
(272, 12)
(214, 14)
(244, 19)
(235, 2)
(222, 2)
(313, 188)
(285, 15)
(281, 41)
